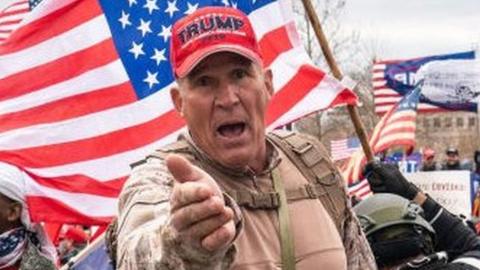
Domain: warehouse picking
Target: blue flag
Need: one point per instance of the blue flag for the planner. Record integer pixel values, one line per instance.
(94, 257)
(392, 79)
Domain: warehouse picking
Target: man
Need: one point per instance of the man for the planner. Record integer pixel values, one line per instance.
(23, 245)
(453, 160)
(181, 210)
(72, 241)
(405, 236)
(428, 160)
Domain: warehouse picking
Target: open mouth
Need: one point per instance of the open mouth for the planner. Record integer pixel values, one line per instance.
(231, 129)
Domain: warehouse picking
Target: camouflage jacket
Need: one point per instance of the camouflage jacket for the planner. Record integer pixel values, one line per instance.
(32, 259)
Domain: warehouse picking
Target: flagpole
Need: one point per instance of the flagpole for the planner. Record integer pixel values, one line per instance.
(352, 110)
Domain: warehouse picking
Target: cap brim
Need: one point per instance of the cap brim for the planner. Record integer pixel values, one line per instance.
(195, 58)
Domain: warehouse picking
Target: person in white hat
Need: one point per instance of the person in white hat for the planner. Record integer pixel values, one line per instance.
(23, 245)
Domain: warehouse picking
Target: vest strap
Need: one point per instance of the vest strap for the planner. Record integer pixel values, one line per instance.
(286, 237)
(255, 200)
(313, 163)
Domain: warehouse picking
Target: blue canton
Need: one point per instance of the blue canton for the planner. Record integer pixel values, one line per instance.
(410, 100)
(10, 241)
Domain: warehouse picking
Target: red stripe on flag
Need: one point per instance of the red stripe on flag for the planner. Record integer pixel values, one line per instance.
(14, 5)
(344, 97)
(82, 184)
(274, 43)
(92, 148)
(59, 70)
(387, 96)
(49, 27)
(8, 23)
(397, 131)
(14, 12)
(70, 107)
(43, 208)
(295, 90)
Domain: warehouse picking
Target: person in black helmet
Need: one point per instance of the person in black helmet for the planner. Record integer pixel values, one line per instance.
(452, 245)
(452, 161)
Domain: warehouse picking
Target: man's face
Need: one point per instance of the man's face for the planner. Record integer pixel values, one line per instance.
(429, 160)
(10, 212)
(223, 100)
(452, 158)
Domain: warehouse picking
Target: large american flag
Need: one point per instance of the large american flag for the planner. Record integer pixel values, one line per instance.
(84, 93)
(396, 128)
(392, 79)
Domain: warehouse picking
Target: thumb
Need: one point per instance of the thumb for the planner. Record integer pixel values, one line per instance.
(181, 169)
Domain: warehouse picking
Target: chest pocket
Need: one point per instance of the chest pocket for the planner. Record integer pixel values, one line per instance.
(312, 160)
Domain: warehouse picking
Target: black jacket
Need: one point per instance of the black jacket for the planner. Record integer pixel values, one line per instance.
(453, 237)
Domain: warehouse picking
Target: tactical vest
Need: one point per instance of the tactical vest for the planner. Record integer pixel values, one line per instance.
(305, 152)
(311, 159)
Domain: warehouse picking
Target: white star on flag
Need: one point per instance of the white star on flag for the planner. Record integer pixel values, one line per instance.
(137, 49)
(191, 8)
(132, 2)
(124, 19)
(144, 27)
(151, 79)
(159, 56)
(172, 7)
(151, 5)
(166, 32)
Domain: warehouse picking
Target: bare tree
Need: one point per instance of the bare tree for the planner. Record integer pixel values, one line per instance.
(349, 55)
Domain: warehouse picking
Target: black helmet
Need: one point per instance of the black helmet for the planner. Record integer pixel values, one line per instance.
(451, 151)
(395, 228)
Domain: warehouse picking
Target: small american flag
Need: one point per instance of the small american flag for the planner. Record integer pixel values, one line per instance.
(396, 128)
(11, 16)
(361, 190)
(344, 148)
(392, 79)
(84, 92)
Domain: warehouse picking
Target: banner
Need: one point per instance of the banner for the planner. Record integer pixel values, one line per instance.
(392, 79)
(451, 189)
(452, 83)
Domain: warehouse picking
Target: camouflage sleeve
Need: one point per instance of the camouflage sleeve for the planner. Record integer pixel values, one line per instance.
(357, 249)
(145, 240)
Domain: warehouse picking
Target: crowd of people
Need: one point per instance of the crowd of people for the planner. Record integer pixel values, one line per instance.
(229, 195)
(452, 162)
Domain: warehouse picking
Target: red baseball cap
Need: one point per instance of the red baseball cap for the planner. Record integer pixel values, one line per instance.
(210, 30)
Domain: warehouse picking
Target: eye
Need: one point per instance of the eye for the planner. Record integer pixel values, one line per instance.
(203, 81)
(240, 73)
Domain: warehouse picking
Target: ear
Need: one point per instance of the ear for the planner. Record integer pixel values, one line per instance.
(177, 99)
(268, 77)
(14, 212)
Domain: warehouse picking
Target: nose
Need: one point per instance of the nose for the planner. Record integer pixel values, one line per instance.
(227, 95)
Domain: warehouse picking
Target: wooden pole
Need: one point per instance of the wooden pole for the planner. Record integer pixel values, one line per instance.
(352, 110)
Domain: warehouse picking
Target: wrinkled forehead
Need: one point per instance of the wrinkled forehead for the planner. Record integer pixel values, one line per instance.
(219, 59)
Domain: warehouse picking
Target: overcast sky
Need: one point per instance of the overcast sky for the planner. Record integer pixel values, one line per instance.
(413, 28)
(410, 28)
